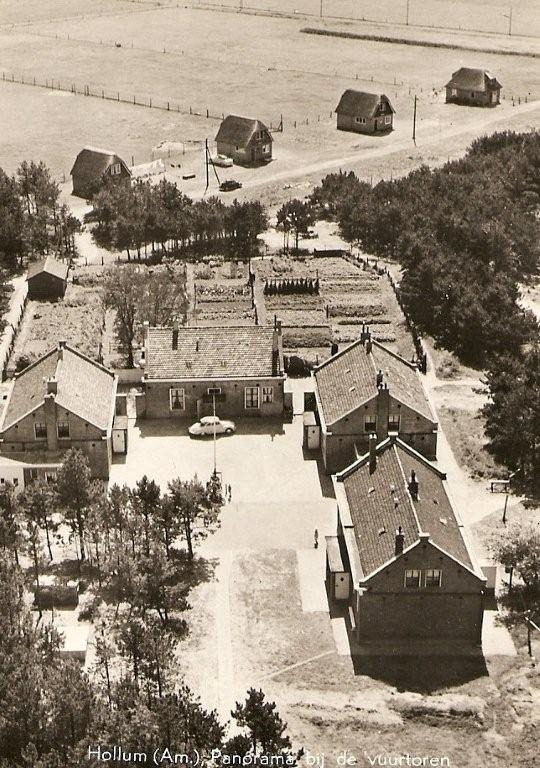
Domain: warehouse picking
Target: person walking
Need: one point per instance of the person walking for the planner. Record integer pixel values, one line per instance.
(316, 539)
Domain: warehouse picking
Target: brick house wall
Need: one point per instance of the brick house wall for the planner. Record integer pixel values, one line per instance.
(389, 609)
(95, 443)
(197, 402)
(338, 446)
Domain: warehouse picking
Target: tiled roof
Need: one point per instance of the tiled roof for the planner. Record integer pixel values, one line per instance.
(472, 79)
(239, 130)
(360, 103)
(50, 266)
(379, 502)
(84, 388)
(211, 353)
(349, 379)
(91, 163)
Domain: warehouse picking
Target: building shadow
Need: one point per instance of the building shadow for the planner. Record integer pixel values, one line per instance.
(325, 481)
(421, 674)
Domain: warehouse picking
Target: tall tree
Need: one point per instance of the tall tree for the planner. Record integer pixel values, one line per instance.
(75, 492)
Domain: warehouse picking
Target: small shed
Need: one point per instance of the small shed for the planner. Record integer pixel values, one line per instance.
(93, 166)
(362, 112)
(338, 578)
(312, 431)
(473, 87)
(246, 140)
(47, 279)
(120, 435)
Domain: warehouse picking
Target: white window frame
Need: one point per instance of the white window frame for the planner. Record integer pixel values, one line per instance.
(393, 417)
(116, 169)
(213, 391)
(40, 424)
(181, 396)
(372, 421)
(252, 391)
(268, 395)
(408, 574)
(454, 91)
(62, 424)
(360, 120)
(432, 571)
(388, 120)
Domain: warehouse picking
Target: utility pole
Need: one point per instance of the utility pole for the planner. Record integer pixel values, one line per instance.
(509, 17)
(414, 122)
(206, 165)
(407, 13)
(321, 9)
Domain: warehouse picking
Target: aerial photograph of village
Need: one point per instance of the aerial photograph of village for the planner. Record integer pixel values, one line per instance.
(270, 383)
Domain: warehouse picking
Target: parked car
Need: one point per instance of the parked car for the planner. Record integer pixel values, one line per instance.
(229, 185)
(209, 425)
(223, 161)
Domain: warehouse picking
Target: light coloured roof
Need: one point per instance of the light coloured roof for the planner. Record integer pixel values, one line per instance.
(84, 388)
(212, 353)
(49, 265)
(379, 502)
(349, 379)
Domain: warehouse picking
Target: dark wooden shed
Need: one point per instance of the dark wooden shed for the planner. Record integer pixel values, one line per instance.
(47, 280)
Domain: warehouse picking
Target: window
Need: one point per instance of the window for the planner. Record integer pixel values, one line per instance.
(116, 169)
(15, 482)
(40, 430)
(472, 94)
(370, 423)
(251, 397)
(177, 400)
(393, 423)
(388, 119)
(268, 394)
(361, 120)
(432, 578)
(50, 477)
(62, 429)
(454, 91)
(412, 579)
(214, 390)
(266, 148)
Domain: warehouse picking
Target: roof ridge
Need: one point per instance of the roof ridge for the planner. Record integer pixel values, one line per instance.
(337, 355)
(88, 359)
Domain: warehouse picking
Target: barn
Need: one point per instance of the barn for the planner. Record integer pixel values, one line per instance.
(246, 140)
(361, 112)
(47, 280)
(474, 87)
(93, 166)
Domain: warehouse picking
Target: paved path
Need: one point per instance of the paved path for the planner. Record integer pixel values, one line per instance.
(226, 688)
(11, 317)
(496, 639)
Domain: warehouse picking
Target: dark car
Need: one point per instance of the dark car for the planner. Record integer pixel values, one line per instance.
(229, 185)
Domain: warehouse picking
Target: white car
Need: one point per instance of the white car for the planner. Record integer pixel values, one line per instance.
(222, 161)
(210, 425)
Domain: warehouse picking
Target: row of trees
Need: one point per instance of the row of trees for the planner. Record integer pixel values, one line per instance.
(141, 216)
(464, 234)
(33, 222)
(136, 563)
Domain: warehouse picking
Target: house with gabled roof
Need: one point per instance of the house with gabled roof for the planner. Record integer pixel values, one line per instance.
(366, 388)
(475, 87)
(189, 369)
(47, 279)
(246, 140)
(64, 400)
(401, 558)
(362, 112)
(93, 166)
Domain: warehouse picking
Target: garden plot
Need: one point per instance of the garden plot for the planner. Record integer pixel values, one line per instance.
(222, 295)
(78, 319)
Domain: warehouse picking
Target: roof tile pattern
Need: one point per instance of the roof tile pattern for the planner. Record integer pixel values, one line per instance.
(379, 502)
(210, 353)
(84, 388)
(349, 379)
(91, 163)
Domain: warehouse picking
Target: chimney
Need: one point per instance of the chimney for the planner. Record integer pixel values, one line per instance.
(369, 343)
(175, 334)
(60, 350)
(413, 486)
(334, 349)
(276, 347)
(400, 540)
(52, 383)
(372, 453)
(380, 378)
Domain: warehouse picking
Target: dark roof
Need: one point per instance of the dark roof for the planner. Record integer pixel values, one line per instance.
(50, 266)
(91, 163)
(379, 502)
(349, 379)
(239, 130)
(84, 388)
(211, 353)
(360, 103)
(472, 79)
